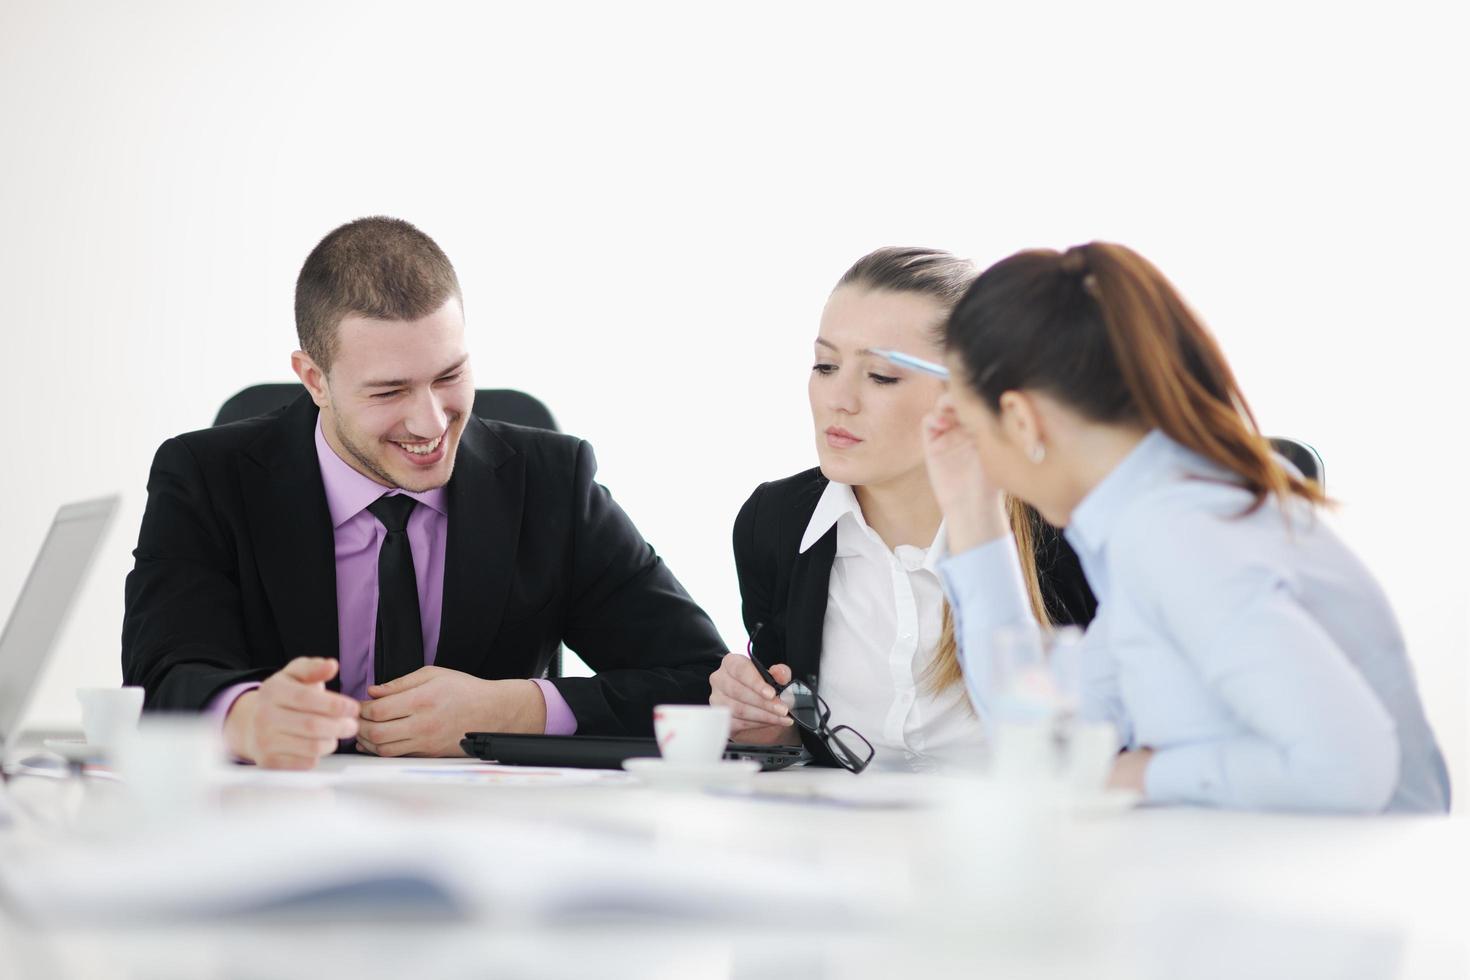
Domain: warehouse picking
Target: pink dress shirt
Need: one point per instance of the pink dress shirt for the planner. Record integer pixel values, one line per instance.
(358, 535)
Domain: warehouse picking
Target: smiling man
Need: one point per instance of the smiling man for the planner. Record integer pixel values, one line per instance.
(374, 563)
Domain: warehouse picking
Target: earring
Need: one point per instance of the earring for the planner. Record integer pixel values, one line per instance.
(1038, 452)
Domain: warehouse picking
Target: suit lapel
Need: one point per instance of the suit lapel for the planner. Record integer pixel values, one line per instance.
(291, 529)
(486, 498)
(806, 601)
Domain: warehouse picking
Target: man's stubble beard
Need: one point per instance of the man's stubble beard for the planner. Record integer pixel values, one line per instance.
(368, 463)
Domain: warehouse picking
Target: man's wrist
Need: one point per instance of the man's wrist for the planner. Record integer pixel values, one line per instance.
(559, 717)
(511, 706)
(534, 714)
(239, 723)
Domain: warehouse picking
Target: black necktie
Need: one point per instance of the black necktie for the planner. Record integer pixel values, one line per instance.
(399, 648)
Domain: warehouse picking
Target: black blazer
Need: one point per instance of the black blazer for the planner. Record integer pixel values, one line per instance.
(234, 572)
(787, 592)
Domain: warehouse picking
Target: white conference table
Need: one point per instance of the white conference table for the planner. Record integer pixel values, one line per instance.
(829, 875)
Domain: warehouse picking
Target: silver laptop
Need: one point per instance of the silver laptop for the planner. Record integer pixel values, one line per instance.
(45, 601)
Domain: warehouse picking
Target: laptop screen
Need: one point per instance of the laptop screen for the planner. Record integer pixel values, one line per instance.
(45, 600)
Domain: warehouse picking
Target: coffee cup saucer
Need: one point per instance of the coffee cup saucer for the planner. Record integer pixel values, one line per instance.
(657, 771)
(75, 749)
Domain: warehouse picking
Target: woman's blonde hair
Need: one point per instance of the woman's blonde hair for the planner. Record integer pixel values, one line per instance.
(944, 671)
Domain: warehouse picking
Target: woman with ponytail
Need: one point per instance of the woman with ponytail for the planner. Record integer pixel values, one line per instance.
(1246, 657)
(837, 564)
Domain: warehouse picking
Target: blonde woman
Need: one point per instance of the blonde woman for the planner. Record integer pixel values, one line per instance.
(837, 565)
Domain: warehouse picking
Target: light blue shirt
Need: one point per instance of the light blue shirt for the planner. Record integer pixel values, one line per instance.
(1254, 654)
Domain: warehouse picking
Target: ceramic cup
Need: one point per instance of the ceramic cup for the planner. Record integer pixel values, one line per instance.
(1092, 750)
(168, 764)
(691, 734)
(108, 713)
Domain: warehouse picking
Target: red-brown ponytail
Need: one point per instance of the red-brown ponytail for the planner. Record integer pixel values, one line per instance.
(1099, 328)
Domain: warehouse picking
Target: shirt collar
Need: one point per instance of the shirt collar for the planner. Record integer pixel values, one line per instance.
(839, 501)
(1095, 517)
(348, 491)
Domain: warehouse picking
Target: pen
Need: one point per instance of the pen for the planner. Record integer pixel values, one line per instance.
(760, 667)
(911, 362)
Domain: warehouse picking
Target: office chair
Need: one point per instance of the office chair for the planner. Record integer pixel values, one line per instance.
(1304, 458)
(494, 404)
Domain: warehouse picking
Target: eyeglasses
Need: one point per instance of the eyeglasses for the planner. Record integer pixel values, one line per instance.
(810, 712)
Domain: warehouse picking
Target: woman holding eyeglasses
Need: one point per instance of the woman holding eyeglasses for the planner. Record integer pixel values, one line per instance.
(837, 565)
(1246, 657)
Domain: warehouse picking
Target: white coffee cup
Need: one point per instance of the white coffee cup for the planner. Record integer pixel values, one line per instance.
(1023, 752)
(108, 713)
(168, 764)
(1092, 751)
(691, 734)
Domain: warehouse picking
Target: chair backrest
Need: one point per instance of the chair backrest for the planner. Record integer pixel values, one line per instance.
(1304, 458)
(494, 404)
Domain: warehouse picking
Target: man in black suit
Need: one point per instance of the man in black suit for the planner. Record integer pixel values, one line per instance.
(375, 563)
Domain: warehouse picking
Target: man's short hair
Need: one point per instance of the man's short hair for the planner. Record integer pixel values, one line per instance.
(377, 267)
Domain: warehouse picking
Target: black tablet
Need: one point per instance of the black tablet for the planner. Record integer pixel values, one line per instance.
(602, 752)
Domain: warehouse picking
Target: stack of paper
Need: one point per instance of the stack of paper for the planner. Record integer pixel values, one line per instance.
(354, 859)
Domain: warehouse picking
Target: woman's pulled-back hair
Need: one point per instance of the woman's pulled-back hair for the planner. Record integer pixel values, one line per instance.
(927, 271)
(1100, 329)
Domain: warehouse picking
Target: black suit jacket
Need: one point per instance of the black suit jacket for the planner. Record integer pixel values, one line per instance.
(234, 572)
(786, 592)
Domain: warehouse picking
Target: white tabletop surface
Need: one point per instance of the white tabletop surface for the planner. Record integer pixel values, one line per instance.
(829, 875)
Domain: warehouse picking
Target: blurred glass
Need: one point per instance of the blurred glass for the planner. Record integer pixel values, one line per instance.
(1035, 686)
(1020, 681)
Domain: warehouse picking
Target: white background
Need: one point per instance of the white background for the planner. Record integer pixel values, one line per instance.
(647, 205)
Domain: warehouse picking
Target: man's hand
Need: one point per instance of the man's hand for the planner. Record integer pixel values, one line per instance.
(974, 509)
(291, 720)
(427, 712)
(756, 716)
